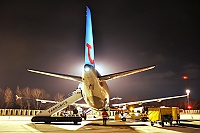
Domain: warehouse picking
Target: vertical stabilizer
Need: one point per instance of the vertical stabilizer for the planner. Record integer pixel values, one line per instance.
(89, 47)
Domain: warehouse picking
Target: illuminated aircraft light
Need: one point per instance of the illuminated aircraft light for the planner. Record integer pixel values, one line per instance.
(87, 69)
(136, 114)
(185, 77)
(188, 91)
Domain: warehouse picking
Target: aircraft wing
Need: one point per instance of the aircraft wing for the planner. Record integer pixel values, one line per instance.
(58, 75)
(76, 104)
(46, 101)
(125, 73)
(147, 101)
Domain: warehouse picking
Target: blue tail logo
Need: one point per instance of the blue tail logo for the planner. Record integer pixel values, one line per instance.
(89, 47)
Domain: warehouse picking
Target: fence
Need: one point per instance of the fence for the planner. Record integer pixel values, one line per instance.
(191, 111)
(25, 112)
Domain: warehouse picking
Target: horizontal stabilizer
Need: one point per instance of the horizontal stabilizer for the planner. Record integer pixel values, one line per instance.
(125, 73)
(58, 75)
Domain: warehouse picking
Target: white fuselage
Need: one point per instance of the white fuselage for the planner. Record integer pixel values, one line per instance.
(95, 92)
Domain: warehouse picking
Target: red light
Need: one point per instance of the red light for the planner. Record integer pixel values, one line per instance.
(185, 77)
(189, 107)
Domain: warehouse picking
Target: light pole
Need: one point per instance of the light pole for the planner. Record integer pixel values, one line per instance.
(188, 96)
(187, 90)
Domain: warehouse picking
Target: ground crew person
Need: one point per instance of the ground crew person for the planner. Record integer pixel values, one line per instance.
(104, 116)
(75, 112)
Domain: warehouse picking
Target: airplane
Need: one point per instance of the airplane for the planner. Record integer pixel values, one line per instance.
(37, 100)
(93, 86)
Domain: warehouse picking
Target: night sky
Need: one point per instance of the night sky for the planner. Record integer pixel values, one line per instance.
(49, 35)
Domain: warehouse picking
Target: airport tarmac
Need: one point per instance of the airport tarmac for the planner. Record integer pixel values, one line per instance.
(23, 124)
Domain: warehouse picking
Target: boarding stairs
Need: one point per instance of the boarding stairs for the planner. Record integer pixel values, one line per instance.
(74, 97)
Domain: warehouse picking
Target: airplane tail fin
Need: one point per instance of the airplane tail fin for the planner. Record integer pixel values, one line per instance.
(89, 47)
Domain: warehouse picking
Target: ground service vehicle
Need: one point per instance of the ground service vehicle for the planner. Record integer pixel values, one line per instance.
(176, 114)
(138, 113)
(130, 113)
(139, 116)
(163, 115)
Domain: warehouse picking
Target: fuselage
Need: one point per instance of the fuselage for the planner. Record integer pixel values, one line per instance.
(95, 92)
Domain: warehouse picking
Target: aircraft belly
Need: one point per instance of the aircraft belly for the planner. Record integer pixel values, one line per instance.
(94, 97)
(95, 91)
